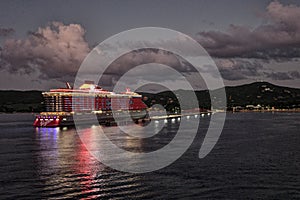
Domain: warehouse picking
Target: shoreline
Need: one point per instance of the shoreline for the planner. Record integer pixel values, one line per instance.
(229, 111)
(269, 110)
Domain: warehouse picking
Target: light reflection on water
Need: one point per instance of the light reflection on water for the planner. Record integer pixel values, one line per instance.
(66, 164)
(256, 157)
(67, 156)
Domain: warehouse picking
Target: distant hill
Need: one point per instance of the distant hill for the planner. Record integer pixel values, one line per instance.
(263, 93)
(21, 101)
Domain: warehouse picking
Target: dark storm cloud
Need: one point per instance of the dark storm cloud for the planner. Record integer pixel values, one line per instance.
(278, 39)
(4, 32)
(56, 51)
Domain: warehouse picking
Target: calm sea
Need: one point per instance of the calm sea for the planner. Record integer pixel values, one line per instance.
(256, 157)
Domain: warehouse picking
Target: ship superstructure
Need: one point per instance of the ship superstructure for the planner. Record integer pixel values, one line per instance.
(89, 99)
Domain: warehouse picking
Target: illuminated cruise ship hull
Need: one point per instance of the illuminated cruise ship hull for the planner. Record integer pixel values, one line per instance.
(88, 103)
(52, 119)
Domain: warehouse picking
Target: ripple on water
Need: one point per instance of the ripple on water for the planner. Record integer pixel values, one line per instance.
(257, 156)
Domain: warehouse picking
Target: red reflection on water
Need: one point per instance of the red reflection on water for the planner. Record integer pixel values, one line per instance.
(86, 164)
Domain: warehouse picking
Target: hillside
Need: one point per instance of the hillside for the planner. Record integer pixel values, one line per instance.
(21, 101)
(262, 93)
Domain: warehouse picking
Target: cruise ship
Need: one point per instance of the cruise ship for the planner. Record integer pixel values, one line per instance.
(89, 100)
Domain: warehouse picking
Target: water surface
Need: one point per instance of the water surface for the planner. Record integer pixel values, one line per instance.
(257, 156)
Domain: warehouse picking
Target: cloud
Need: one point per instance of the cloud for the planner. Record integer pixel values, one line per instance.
(239, 69)
(4, 32)
(234, 69)
(149, 57)
(56, 50)
(291, 75)
(145, 56)
(278, 39)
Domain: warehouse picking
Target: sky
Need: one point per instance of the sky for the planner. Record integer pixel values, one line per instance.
(43, 43)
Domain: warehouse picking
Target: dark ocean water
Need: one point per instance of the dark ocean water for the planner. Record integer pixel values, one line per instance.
(256, 157)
